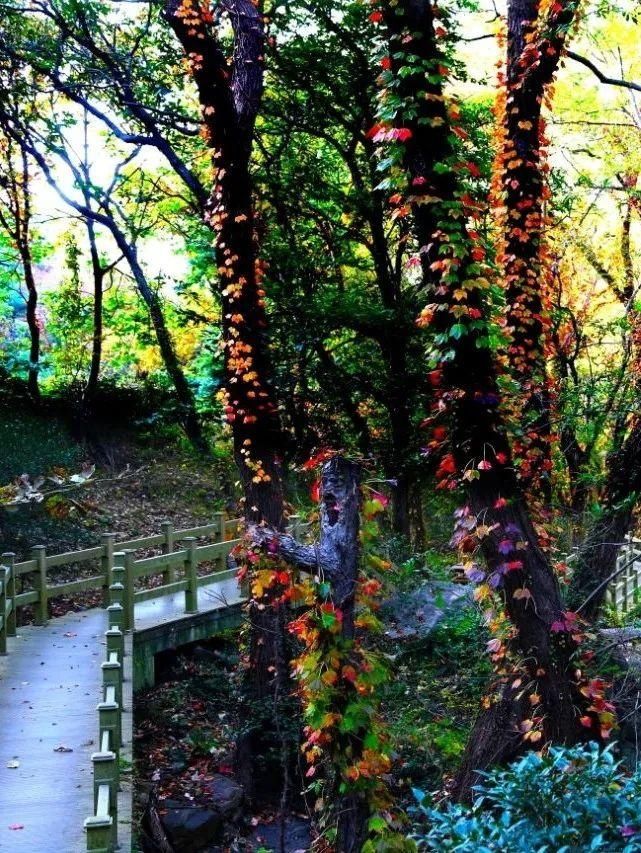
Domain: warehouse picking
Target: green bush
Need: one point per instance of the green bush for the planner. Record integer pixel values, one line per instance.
(569, 800)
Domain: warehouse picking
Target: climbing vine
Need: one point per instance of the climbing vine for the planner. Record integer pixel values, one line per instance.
(426, 160)
(340, 676)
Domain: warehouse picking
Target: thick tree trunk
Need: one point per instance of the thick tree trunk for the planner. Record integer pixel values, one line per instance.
(524, 271)
(470, 400)
(229, 94)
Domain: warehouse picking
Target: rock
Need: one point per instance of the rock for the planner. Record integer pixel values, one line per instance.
(414, 615)
(298, 837)
(226, 795)
(191, 828)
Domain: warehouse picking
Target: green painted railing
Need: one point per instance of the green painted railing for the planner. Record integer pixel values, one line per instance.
(102, 825)
(34, 572)
(7, 601)
(624, 590)
(120, 577)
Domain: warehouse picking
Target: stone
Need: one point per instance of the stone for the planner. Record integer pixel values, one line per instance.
(226, 795)
(297, 839)
(414, 615)
(192, 828)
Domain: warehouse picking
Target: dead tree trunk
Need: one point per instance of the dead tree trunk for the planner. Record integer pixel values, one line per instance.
(336, 560)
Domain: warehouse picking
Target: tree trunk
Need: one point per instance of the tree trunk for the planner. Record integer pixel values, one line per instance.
(184, 395)
(96, 338)
(32, 319)
(469, 403)
(524, 273)
(336, 558)
(230, 93)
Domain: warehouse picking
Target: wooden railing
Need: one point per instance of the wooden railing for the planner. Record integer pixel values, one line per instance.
(113, 554)
(7, 602)
(102, 825)
(223, 531)
(624, 590)
(120, 574)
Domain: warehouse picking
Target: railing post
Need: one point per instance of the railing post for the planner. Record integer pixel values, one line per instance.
(99, 834)
(105, 772)
(116, 609)
(115, 641)
(219, 536)
(9, 560)
(109, 719)
(4, 577)
(39, 554)
(129, 590)
(116, 616)
(169, 575)
(624, 585)
(191, 575)
(107, 563)
(112, 676)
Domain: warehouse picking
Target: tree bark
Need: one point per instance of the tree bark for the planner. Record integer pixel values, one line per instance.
(97, 328)
(336, 558)
(230, 95)
(32, 317)
(470, 395)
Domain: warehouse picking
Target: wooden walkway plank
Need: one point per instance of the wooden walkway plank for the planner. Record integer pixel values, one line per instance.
(159, 611)
(50, 683)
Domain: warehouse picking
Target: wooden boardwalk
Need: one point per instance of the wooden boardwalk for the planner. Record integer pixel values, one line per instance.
(50, 684)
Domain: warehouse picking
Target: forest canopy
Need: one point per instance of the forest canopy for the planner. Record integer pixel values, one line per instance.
(384, 257)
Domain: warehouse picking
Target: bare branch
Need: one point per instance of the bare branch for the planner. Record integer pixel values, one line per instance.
(604, 78)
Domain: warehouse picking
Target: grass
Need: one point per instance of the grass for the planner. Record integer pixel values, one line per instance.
(34, 444)
(433, 699)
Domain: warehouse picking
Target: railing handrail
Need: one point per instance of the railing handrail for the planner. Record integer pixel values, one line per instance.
(86, 555)
(164, 563)
(41, 562)
(102, 825)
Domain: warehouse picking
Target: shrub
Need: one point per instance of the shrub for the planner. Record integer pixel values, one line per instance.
(575, 799)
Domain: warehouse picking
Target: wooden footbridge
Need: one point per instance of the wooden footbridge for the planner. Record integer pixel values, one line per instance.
(67, 684)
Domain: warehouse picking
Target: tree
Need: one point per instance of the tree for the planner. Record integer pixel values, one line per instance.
(41, 138)
(350, 291)
(420, 130)
(16, 220)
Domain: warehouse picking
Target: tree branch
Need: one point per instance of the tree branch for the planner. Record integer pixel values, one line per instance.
(604, 78)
